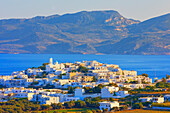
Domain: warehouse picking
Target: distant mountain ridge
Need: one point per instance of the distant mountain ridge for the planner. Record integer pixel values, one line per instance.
(94, 32)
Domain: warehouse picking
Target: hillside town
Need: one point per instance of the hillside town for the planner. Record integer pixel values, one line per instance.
(54, 83)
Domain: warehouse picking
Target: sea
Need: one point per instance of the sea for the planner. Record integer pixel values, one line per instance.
(153, 65)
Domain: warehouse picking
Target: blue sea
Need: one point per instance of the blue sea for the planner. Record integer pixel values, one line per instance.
(153, 65)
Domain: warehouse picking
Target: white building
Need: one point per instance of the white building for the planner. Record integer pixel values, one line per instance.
(145, 99)
(45, 99)
(79, 92)
(167, 97)
(52, 67)
(108, 105)
(29, 96)
(122, 94)
(158, 99)
(108, 92)
(67, 99)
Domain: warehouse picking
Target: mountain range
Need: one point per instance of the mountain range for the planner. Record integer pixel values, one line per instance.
(86, 32)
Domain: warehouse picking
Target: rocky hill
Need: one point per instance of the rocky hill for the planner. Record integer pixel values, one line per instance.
(95, 32)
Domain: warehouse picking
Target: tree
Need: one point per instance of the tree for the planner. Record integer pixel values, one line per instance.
(96, 99)
(73, 71)
(125, 107)
(60, 76)
(164, 80)
(105, 110)
(54, 105)
(70, 89)
(137, 106)
(126, 82)
(94, 79)
(59, 106)
(80, 104)
(89, 111)
(92, 104)
(43, 66)
(44, 76)
(35, 83)
(160, 85)
(93, 111)
(113, 84)
(111, 99)
(82, 69)
(55, 112)
(44, 112)
(146, 103)
(144, 74)
(98, 111)
(115, 109)
(134, 82)
(114, 93)
(167, 76)
(70, 104)
(48, 86)
(56, 80)
(45, 107)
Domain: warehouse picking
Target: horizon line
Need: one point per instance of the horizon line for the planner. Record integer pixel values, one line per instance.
(79, 12)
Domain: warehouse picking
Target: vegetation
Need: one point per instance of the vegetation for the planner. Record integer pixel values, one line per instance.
(134, 82)
(137, 106)
(142, 111)
(43, 66)
(73, 71)
(82, 69)
(18, 106)
(167, 104)
(162, 85)
(60, 76)
(144, 74)
(94, 79)
(113, 84)
(70, 90)
(35, 83)
(74, 110)
(96, 89)
(150, 89)
(167, 76)
(146, 103)
(48, 86)
(23, 105)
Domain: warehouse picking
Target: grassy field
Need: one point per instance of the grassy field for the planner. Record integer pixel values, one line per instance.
(167, 104)
(142, 111)
(76, 110)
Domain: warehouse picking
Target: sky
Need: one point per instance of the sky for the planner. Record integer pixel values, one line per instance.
(135, 9)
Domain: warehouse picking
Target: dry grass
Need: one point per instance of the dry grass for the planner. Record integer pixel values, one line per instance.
(142, 111)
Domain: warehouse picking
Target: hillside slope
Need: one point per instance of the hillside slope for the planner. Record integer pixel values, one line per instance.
(95, 32)
(151, 37)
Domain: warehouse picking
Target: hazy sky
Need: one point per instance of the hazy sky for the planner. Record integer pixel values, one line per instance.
(136, 9)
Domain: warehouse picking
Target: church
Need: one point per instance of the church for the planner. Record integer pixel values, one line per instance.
(52, 67)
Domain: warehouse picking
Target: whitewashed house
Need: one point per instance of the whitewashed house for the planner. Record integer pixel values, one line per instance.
(158, 99)
(167, 98)
(29, 96)
(45, 99)
(79, 92)
(145, 99)
(108, 92)
(108, 105)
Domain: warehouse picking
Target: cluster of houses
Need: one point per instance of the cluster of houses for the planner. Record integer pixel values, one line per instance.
(64, 75)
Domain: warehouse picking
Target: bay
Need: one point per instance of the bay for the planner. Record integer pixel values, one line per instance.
(153, 65)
